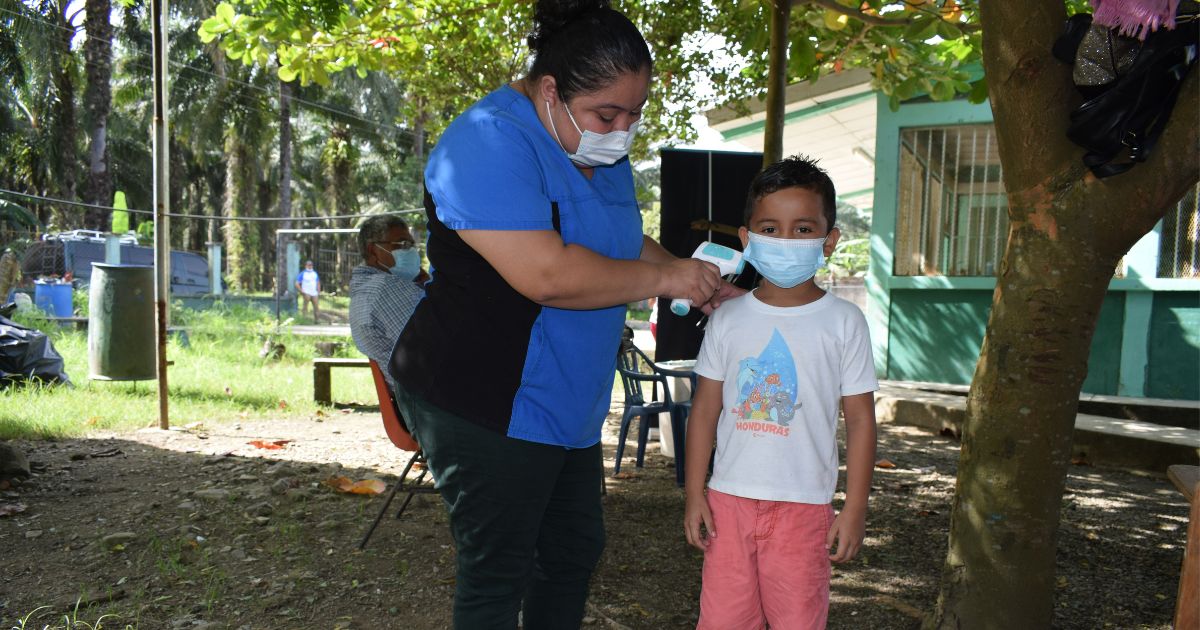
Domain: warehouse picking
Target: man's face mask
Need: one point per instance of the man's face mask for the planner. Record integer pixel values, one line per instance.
(406, 263)
(596, 149)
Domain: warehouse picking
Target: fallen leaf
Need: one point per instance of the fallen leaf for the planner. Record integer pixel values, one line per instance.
(93, 421)
(885, 463)
(1062, 582)
(624, 475)
(283, 404)
(8, 509)
(365, 486)
(270, 446)
(320, 414)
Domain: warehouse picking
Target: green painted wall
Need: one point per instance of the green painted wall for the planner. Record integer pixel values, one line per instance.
(1174, 346)
(936, 335)
(1104, 362)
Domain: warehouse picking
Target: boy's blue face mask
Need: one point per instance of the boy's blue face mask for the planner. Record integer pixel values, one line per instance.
(785, 262)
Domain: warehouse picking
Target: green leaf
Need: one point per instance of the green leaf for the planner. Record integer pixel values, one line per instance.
(320, 76)
(947, 30)
(979, 91)
(917, 27)
(286, 74)
(802, 57)
(225, 12)
(210, 28)
(943, 91)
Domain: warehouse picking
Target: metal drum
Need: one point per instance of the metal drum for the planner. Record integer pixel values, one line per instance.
(121, 323)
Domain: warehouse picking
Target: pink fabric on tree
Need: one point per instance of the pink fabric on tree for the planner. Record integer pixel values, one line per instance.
(1135, 18)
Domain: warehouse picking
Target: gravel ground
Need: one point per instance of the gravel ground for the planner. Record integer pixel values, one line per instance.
(197, 528)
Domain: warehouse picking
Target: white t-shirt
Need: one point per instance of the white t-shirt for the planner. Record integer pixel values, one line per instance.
(308, 282)
(784, 371)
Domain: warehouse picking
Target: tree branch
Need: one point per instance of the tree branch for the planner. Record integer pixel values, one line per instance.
(1150, 188)
(878, 20)
(1030, 92)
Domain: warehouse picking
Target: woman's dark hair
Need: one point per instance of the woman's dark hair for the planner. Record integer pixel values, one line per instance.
(797, 171)
(584, 45)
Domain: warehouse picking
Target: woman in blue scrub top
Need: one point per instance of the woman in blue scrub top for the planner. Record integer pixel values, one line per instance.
(505, 369)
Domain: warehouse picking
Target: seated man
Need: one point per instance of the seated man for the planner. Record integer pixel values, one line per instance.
(384, 289)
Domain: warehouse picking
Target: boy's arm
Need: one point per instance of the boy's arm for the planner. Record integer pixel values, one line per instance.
(701, 432)
(850, 526)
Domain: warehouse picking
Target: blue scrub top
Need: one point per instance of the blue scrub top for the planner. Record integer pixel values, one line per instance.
(497, 168)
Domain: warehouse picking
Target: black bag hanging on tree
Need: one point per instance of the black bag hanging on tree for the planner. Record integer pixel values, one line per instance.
(1129, 83)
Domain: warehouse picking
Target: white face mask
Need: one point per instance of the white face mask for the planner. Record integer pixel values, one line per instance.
(596, 149)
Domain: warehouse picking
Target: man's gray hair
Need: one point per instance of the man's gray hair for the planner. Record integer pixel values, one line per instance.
(374, 230)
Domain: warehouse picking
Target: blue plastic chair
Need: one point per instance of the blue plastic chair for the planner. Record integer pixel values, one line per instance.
(637, 369)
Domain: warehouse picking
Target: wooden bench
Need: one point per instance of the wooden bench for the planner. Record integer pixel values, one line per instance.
(1187, 605)
(321, 377)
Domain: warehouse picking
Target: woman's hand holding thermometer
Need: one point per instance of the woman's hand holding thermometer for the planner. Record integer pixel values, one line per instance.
(728, 261)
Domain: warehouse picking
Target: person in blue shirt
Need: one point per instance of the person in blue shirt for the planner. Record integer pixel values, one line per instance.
(505, 369)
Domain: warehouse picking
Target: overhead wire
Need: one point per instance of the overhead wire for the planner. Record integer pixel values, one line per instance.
(179, 215)
(135, 59)
(136, 54)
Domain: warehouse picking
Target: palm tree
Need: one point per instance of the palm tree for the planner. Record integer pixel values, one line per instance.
(97, 100)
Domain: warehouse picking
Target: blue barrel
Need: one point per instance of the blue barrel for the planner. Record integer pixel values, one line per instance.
(53, 298)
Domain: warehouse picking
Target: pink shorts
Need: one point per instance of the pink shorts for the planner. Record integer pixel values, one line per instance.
(767, 564)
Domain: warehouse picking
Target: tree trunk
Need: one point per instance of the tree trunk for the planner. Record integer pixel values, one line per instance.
(285, 182)
(1067, 233)
(97, 101)
(776, 82)
(241, 237)
(419, 137)
(65, 125)
(341, 159)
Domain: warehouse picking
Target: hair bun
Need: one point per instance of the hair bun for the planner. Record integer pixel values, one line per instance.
(552, 15)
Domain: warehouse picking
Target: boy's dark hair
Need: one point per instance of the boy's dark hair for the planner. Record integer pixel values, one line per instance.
(797, 171)
(584, 45)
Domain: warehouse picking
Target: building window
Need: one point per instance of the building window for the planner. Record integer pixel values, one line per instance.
(1179, 243)
(953, 213)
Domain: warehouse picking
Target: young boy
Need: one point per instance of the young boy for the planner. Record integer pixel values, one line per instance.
(773, 368)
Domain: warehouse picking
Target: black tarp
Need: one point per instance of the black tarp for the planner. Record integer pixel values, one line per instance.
(27, 354)
(708, 186)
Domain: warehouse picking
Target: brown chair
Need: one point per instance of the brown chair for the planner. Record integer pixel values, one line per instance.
(393, 424)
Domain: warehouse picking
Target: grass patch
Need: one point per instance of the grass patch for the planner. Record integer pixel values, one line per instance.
(218, 377)
(70, 621)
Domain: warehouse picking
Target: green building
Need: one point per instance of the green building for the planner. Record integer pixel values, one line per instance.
(938, 231)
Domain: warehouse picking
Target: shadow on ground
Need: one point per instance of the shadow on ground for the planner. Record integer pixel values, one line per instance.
(199, 529)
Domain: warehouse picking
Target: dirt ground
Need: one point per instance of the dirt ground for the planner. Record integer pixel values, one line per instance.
(197, 528)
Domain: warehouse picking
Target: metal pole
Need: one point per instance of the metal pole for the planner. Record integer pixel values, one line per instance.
(280, 271)
(162, 227)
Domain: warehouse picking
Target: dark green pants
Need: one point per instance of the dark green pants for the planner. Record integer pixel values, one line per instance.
(526, 520)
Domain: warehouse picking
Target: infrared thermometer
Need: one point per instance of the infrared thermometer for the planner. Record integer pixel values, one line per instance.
(728, 261)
